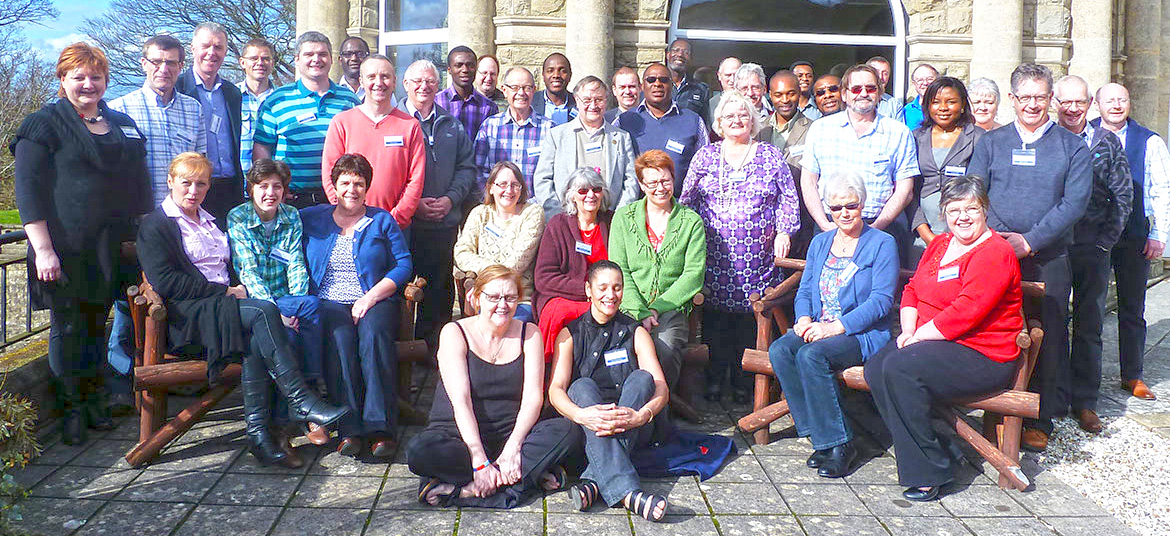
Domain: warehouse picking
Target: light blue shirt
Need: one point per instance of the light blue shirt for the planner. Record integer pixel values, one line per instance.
(219, 132)
(170, 127)
(249, 111)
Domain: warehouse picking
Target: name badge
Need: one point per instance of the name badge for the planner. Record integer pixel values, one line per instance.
(393, 141)
(307, 117)
(674, 146)
(617, 357)
(493, 230)
(849, 272)
(795, 150)
(132, 133)
(362, 224)
(534, 151)
(583, 248)
(1024, 157)
(280, 255)
(947, 274)
(216, 122)
(696, 96)
(593, 148)
(955, 171)
(738, 176)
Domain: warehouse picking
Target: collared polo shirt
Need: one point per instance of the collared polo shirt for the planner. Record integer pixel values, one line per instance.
(359, 90)
(295, 120)
(472, 111)
(250, 111)
(171, 128)
(503, 138)
(219, 131)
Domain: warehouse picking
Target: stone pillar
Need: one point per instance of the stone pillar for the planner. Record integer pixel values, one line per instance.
(589, 37)
(1092, 35)
(1143, 47)
(470, 24)
(329, 17)
(997, 29)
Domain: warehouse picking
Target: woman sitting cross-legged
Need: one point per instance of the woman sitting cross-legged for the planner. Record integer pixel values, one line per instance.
(186, 259)
(484, 445)
(960, 317)
(842, 317)
(607, 379)
(358, 261)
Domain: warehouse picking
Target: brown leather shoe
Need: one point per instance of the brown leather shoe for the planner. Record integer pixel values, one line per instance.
(1034, 440)
(317, 435)
(1089, 421)
(349, 446)
(1138, 389)
(383, 448)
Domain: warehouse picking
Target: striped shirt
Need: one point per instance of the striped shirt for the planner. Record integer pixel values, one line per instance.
(270, 263)
(170, 128)
(294, 120)
(250, 109)
(503, 138)
(472, 111)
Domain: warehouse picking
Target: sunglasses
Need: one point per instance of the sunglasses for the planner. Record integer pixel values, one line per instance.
(827, 89)
(596, 190)
(868, 88)
(656, 79)
(848, 206)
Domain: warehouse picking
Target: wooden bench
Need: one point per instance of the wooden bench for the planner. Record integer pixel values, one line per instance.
(156, 371)
(1003, 411)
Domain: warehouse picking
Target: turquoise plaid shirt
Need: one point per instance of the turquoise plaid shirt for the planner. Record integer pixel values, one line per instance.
(257, 253)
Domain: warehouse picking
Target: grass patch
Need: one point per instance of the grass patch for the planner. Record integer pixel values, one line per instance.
(9, 217)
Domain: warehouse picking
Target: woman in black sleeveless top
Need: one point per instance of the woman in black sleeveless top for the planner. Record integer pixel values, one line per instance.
(484, 446)
(607, 379)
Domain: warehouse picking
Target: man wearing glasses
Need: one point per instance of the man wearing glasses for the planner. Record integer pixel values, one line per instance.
(690, 94)
(861, 140)
(922, 76)
(659, 123)
(1039, 179)
(514, 134)
(354, 50)
(257, 62)
(461, 99)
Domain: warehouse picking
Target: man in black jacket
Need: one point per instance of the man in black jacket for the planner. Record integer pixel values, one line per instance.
(1093, 237)
(221, 118)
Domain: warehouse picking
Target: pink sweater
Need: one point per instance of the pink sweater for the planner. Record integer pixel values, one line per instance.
(394, 147)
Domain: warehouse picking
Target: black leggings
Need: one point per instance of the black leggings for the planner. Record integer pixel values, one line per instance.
(77, 332)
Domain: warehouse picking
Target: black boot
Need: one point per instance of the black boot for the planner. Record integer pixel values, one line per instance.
(96, 412)
(304, 405)
(72, 411)
(257, 408)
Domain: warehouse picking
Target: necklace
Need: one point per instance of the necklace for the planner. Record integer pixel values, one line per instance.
(91, 120)
(495, 353)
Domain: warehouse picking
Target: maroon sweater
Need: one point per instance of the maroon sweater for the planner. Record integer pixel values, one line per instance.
(559, 271)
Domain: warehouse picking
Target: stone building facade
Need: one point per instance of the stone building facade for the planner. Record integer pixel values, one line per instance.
(1101, 40)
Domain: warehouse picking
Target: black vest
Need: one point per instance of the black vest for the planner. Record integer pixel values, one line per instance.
(591, 341)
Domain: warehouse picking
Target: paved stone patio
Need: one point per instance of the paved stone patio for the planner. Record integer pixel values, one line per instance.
(205, 483)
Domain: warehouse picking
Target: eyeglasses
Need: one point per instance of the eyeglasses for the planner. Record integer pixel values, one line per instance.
(1082, 103)
(820, 92)
(970, 212)
(355, 54)
(859, 89)
(510, 185)
(1027, 99)
(422, 81)
(174, 64)
(656, 79)
(509, 299)
(923, 81)
(590, 100)
(259, 59)
(733, 117)
(595, 189)
(847, 206)
(660, 183)
(525, 88)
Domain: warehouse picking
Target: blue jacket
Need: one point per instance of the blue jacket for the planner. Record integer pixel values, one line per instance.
(866, 299)
(379, 249)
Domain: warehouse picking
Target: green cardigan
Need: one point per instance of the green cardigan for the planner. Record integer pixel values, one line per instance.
(663, 280)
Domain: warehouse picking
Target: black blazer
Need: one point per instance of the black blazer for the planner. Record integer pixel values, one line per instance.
(231, 96)
(931, 175)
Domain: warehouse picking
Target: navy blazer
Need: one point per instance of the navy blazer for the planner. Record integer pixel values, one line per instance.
(868, 296)
(231, 95)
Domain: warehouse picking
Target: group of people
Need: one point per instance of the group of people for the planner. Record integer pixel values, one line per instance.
(282, 224)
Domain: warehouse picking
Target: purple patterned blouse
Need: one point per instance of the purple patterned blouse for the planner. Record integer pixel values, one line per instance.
(743, 212)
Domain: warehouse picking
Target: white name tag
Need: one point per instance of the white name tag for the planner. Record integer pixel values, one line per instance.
(617, 357)
(947, 274)
(307, 117)
(591, 148)
(362, 224)
(583, 248)
(493, 230)
(795, 150)
(955, 171)
(534, 151)
(881, 163)
(216, 122)
(849, 272)
(132, 133)
(393, 141)
(1024, 157)
(281, 256)
(674, 146)
(738, 176)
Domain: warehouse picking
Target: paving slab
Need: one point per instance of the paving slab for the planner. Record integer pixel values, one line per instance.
(674, 525)
(253, 490)
(822, 499)
(119, 519)
(47, 515)
(578, 523)
(105, 453)
(485, 523)
(745, 468)
(332, 463)
(1074, 526)
(59, 453)
(173, 486)
(924, 526)
(408, 523)
(744, 498)
(1054, 498)
(1008, 526)
(842, 526)
(685, 495)
(234, 520)
(323, 491)
(319, 521)
(29, 475)
(792, 470)
(758, 525)
(214, 456)
(887, 501)
(84, 483)
(982, 501)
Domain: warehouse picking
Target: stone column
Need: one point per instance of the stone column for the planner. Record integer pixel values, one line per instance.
(329, 17)
(589, 37)
(470, 24)
(997, 29)
(1092, 35)
(1143, 47)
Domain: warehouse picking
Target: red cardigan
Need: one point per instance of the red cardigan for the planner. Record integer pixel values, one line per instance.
(559, 271)
(979, 307)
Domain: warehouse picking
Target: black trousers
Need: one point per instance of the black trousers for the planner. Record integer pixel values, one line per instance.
(726, 334)
(1053, 371)
(899, 228)
(433, 252)
(1131, 269)
(77, 344)
(306, 197)
(439, 452)
(225, 194)
(905, 382)
(1090, 283)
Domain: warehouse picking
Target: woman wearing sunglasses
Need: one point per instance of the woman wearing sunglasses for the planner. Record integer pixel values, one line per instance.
(842, 309)
(573, 240)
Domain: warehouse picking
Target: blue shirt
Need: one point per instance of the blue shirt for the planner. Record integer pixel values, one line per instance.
(912, 114)
(295, 120)
(501, 137)
(249, 111)
(170, 128)
(219, 132)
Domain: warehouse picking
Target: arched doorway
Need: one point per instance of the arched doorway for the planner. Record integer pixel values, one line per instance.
(774, 33)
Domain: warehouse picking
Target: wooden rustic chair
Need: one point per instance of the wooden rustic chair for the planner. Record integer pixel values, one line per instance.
(156, 371)
(1003, 411)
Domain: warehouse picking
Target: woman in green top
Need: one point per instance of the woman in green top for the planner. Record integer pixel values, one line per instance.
(661, 247)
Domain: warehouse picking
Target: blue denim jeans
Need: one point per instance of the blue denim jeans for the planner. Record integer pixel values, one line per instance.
(119, 349)
(309, 341)
(805, 371)
(609, 456)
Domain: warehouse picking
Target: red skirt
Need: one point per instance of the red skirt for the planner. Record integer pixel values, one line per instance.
(556, 313)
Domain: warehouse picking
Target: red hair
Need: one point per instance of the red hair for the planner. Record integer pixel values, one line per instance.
(654, 159)
(82, 55)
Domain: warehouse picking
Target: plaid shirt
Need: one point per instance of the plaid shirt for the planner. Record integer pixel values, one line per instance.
(883, 156)
(250, 108)
(502, 138)
(472, 112)
(170, 128)
(271, 264)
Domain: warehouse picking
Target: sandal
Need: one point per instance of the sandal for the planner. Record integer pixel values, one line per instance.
(445, 500)
(644, 504)
(583, 494)
(560, 475)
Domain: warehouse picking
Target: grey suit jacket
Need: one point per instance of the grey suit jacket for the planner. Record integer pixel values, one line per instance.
(931, 174)
(793, 147)
(558, 159)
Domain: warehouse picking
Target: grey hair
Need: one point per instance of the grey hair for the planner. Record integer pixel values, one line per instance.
(748, 69)
(588, 177)
(963, 188)
(419, 65)
(983, 86)
(731, 98)
(213, 27)
(842, 184)
(589, 81)
(313, 37)
(1031, 71)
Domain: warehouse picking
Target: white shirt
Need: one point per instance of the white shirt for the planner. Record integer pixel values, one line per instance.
(1156, 183)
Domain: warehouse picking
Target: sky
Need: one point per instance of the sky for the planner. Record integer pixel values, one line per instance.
(55, 35)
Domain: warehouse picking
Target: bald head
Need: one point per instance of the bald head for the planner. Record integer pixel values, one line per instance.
(1071, 86)
(784, 92)
(1072, 102)
(726, 73)
(1113, 103)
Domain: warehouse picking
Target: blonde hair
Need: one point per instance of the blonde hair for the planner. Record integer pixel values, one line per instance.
(735, 98)
(190, 164)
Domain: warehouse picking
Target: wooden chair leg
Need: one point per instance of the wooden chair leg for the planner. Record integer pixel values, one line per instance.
(683, 408)
(149, 447)
(1009, 444)
(1009, 469)
(760, 398)
(151, 413)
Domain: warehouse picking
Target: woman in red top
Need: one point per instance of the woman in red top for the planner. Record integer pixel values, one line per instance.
(960, 316)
